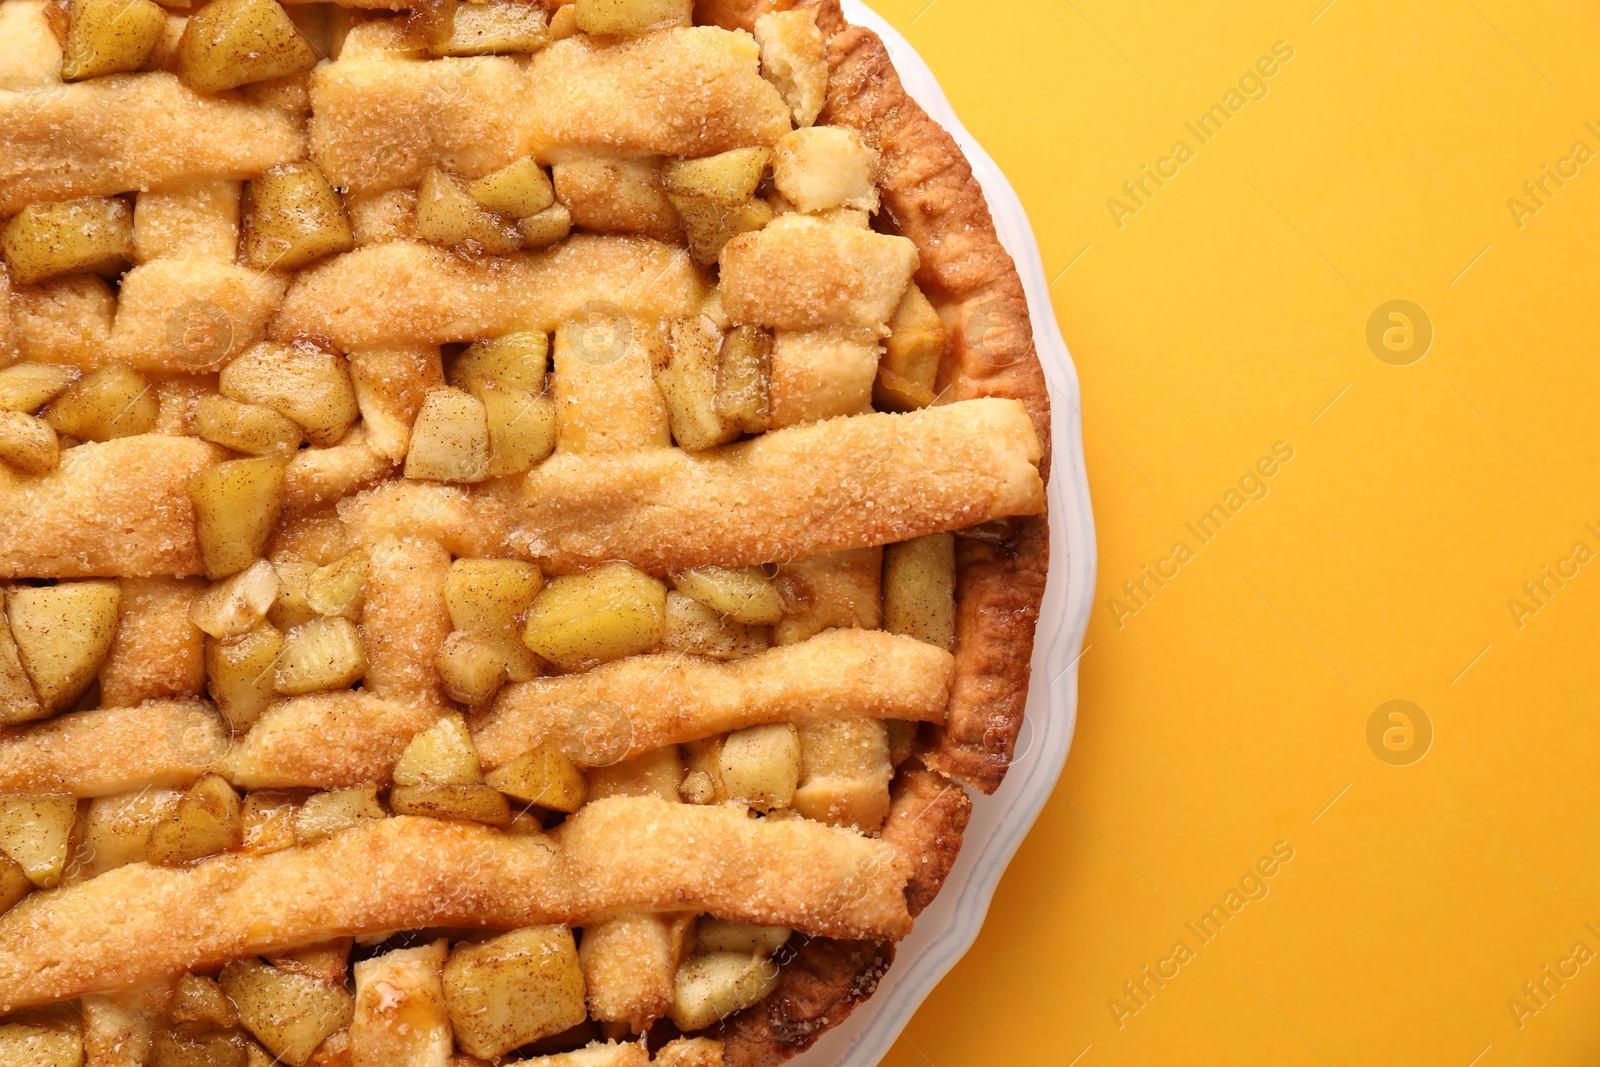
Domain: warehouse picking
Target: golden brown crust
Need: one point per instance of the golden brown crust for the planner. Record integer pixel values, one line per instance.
(157, 653)
(827, 978)
(649, 702)
(117, 509)
(131, 131)
(852, 481)
(931, 197)
(113, 750)
(929, 814)
(821, 985)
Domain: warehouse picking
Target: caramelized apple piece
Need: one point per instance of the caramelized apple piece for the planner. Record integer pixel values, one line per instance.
(325, 814)
(400, 1016)
(114, 401)
(27, 443)
(290, 1014)
(909, 368)
(719, 935)
(761, 765)
(294, 575)
(741, 593)
(518, 189)
(18, 700)
(254, 429)
(448, 215)
(688, 382)
(715, 198)
(523, 426)
(471, 666)
(93, 235)
(62, 634)
(292, 216)
(198, 1003)
(431, 22)
(497, 27)
(14, 884)
(471, 803)
(696, 629)
(604, 614)
(484, 598)
(229, 43)
(515, 359)
(320, 654)
(36, 832)
(443, 754)
(744, 378)
(237, 604)
(715, 985)
(450, 439)
(545, 776)
(27, 387)
(206, 821)
(552, 224)
(438, 775)
(306, 385)
(487, 595)
(514, 989)
(632, 16)
(236, 504)
(117, 830)
(338, 590)
(216, 1048)
(240, 673)
(40, 1045)
(919, 581)
(110, 37)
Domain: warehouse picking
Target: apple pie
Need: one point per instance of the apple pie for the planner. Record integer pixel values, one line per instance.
(521, 527)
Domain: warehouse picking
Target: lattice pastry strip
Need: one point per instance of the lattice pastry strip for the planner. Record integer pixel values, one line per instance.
(333, 739)
(196, 221)
(624, 854)
(630, 961)
(116, 134)
(845, 760)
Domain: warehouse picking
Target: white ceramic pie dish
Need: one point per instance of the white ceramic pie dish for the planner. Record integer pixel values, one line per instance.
(950, 925)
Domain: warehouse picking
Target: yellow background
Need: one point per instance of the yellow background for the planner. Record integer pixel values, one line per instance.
(1227, 714)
